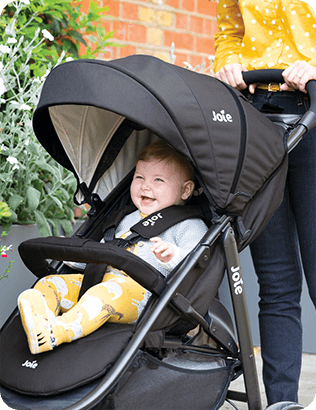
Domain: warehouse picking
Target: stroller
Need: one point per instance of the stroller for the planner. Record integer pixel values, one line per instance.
(94, 117)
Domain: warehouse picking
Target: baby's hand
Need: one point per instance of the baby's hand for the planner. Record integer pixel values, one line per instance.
(163, 250)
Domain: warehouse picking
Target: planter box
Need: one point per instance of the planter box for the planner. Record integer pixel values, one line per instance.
(20, 278)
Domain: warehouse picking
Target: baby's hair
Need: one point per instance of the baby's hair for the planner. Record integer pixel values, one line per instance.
(161, 151)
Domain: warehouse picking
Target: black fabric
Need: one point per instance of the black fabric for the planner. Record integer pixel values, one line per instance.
(115, 219)
(153, 384)
(93, 274)
(209, 122)
(35, 252)
(67, 367)
(158, 222)
(148, 384)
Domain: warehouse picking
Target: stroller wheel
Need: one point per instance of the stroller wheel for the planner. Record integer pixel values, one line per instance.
(285, 405)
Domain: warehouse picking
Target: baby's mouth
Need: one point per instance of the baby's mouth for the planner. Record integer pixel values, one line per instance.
(147, 199)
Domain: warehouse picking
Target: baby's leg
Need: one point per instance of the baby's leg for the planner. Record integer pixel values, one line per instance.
(39, 306)
(117, 299)
(61, 292)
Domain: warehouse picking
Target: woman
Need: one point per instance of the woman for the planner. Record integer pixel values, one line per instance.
(262, 34)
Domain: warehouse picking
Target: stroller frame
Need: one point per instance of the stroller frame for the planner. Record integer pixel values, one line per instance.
(212, 324)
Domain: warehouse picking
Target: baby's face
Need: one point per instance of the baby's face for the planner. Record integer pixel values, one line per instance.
(157, 185)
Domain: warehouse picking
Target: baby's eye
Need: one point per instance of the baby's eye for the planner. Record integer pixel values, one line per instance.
(138, 177)
(159, 180)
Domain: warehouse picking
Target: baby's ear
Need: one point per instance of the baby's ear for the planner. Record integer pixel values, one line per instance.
(188, 188)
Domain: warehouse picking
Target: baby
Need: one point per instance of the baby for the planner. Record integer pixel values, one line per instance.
(51, 313)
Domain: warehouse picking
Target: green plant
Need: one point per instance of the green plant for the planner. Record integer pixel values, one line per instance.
(63, 26)
(5, 212)
(36, 188)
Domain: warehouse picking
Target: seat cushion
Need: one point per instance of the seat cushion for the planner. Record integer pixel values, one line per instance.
(68, 366)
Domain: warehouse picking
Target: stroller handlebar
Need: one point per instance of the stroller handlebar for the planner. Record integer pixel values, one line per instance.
(275, 76)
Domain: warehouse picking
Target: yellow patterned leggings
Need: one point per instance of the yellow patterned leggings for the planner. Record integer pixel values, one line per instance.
(118, 299)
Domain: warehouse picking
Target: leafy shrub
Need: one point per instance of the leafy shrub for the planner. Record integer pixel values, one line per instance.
(34, 37)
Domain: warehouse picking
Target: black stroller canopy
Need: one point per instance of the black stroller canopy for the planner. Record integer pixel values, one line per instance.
(89, 108)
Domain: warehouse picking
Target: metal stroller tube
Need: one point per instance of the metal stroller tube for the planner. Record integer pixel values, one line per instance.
(308, 120)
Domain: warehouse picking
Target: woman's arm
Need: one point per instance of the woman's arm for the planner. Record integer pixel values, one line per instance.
(230, 34)
(228, 42)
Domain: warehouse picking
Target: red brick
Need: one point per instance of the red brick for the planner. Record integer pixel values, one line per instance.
(207, 7)
(182, 21)
(108, 25)
(205, 45)
(120, 30)
(85, 6)
(108, 53)
(129, 11)
(173, 3)
(189, 5)
(196, 60)
(180, 58)
(137, 33)
(181, 40)
(209, 27)
(196, 24)
(114, 7)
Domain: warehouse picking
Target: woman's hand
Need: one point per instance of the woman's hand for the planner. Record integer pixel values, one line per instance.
(163, 250)
(232, 75)
(297, 75)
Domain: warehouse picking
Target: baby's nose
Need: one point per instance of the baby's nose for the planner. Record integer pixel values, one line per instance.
(146, 186)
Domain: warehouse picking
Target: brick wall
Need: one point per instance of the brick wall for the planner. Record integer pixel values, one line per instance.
(151, 26)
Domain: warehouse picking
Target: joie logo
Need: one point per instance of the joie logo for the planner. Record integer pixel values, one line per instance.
(238, 282)
(152, 220)
(31, 365)
(222, 116)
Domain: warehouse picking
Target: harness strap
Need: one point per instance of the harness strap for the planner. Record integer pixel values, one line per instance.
(152, 225)
(158, 222)
(149, 227)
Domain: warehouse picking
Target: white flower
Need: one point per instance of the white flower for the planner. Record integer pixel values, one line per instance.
(69, 59)
(47, 35)
(2, 87)
(12, 40)
(187, 65)
(25, 107)
(4, 49)
(12, 160)
(3, 148)
(45, 75)
(9, 30)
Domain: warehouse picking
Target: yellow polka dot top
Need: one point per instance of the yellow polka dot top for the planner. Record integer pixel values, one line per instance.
(265, 33)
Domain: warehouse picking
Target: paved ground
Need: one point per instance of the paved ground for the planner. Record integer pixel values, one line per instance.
(307, 389)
